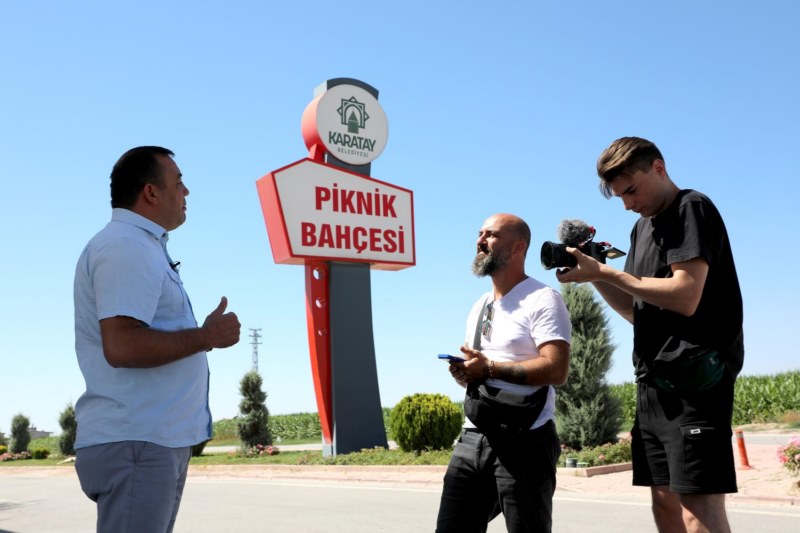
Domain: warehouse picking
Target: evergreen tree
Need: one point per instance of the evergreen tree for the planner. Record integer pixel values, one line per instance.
(69, 428)
(252, 424)
(588, 413)
(20, 436)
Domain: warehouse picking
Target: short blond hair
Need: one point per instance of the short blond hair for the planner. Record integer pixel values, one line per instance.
(623, 157)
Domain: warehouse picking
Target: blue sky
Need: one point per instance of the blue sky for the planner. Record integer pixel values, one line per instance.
(490, 109)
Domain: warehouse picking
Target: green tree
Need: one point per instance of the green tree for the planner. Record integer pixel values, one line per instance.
(253, 422)
(20, 436)
(69, 428)
(588, 413)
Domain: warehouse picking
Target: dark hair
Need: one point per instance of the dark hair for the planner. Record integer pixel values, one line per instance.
(136, 168)
(623, 157)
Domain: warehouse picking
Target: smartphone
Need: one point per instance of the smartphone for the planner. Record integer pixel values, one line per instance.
(451, 358)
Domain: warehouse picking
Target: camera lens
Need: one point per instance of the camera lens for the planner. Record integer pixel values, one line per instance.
(555, 255)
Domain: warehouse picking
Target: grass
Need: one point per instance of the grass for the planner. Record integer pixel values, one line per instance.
(50, 461)
(376, 456)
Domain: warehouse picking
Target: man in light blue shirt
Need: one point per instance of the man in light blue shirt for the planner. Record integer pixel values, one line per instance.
(141, 352)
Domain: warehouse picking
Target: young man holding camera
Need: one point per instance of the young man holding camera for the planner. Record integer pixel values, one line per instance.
(680, 291)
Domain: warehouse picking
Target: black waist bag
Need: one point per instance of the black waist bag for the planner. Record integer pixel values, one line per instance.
(685, 368)
(496, 411)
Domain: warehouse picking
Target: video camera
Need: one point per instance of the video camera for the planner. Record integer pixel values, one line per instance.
(576, 234)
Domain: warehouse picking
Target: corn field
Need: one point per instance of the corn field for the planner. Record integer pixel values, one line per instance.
(757, 399)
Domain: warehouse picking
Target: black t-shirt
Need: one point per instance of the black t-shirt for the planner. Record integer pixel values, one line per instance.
(690, 227)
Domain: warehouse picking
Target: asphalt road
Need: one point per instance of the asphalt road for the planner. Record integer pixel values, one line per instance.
(55, 504)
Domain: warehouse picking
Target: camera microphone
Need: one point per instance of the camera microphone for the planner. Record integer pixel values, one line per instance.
(574, 232)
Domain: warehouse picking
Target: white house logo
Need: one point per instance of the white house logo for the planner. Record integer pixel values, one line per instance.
(349, 122)
(353, 113)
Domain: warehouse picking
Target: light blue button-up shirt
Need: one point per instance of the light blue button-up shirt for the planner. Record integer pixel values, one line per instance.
(124, 271)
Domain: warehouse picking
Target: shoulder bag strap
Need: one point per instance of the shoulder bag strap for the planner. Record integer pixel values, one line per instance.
(476, 341)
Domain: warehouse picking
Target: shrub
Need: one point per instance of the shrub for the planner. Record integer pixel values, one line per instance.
(40, 453)
(605, 454)
(626, 394)
(253, 424)
(386, 412)
(3, 449)
(69, 428)
(425, 422)
(20, 436)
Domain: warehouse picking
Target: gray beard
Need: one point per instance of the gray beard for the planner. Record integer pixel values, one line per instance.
(488, 263)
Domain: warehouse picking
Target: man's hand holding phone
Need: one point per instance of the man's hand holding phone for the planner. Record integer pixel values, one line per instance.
(451, 358)
(456, 369)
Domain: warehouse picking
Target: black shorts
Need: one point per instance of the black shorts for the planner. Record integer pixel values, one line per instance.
(684, 441)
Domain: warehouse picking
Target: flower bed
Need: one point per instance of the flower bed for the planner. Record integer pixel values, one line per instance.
(606, 454)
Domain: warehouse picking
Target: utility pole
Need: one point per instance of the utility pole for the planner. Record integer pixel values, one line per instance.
(255, 336)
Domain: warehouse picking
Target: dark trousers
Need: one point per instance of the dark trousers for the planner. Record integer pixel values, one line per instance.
(487, 476)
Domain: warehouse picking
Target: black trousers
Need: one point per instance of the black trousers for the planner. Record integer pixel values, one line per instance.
(487, 476)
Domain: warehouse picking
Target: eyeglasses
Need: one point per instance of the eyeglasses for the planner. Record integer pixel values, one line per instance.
(486, 321)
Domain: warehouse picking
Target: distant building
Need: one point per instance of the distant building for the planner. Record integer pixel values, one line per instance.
(36, 434)
(32, 431)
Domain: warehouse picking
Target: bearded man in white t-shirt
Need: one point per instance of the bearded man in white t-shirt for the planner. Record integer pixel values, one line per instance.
(522, 331)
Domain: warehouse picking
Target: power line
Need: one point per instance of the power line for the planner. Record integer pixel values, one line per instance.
(255, 336)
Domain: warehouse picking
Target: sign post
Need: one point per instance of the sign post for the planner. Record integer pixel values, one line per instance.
(327, 213)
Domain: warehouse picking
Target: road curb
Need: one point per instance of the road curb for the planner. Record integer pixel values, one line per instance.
(596, 470)
(741, 498)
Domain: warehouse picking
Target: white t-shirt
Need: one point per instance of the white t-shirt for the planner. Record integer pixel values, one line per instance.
(528, 316)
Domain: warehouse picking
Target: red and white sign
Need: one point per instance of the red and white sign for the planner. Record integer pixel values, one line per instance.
(316, 211)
